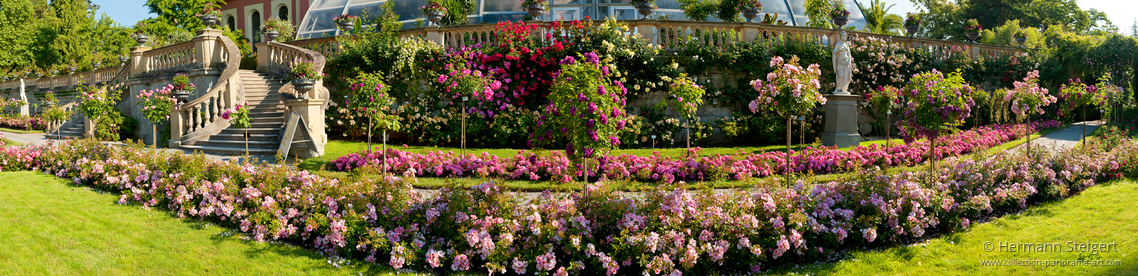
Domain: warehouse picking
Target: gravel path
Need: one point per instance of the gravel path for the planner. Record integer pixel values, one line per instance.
(1067, 137)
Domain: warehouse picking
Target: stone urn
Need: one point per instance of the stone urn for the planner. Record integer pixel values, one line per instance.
(141, 39)
(751, 13)
(644, 9)
(95, 64)
(209, 20)
(72, 69)
(303, 86)
(912, 29)
(1020, 40)
(434, 16)
(124, 59)
(271, 35)
(840, 21)
(182, 95)
(347, 26)
(536, 11)
(972, 35)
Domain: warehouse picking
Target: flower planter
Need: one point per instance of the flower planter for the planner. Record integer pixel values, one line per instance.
(1020, 40)
(347, 26)
(124, 59)
(972, 35)
(644, 10)
(840, 21)
(141, 39)
(271, 35)
(182, 95)
(536, 11)
(72, 69)
(912, 29)
(95, 65)
(434, 17)
(303, 86)
(751, 13)
(209, 20)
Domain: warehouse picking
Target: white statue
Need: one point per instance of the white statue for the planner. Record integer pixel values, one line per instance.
(23, 97)
(843, 65)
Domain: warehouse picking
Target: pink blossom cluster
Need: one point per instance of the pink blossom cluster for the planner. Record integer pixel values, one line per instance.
(23, 122)
(606, 232)
(555, 166)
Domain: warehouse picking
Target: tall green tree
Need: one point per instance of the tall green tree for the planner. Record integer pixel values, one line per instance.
(16, 29)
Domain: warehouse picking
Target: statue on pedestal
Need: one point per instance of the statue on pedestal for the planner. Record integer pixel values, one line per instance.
(843, 65)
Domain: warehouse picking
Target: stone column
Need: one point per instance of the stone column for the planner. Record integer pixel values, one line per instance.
(205, 44)
(263, 56)
(647, 30)
(137, 64)
(433, 35)
(312, 112)
(88, 127)
(841, 121)
(176, 125)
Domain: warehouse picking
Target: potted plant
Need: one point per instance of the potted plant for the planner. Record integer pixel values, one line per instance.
(124, 59)
(838, 13)
(973, 29)
(304, 76)
(644, 7)
(750, 9)
(95, 62)
(140, 34)
(210, 14)
(73, 67)
(346, 22)
(1021, 37)
(434, 11)
(156, 105)
(270, 32)
(182, 87)
(912, 23)
(536, 7)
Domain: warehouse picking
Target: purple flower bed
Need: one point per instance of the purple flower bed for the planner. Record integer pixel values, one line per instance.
(555, 166)
(25, 123)
(657, 232)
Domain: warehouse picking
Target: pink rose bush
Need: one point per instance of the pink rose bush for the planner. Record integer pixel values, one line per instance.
(555, 166)
(23, 122)
(610, 232)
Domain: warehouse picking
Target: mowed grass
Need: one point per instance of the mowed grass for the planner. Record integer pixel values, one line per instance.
(334, 149)
(1102, 214)
(19, 130)
(7, 142)
(49, 226)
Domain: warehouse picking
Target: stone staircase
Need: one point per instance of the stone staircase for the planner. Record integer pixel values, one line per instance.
(267, 116)
(71, 130)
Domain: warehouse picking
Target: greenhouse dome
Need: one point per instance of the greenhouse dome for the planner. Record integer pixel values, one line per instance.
(318, 23)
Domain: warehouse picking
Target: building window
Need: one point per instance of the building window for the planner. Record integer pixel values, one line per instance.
(231, 23)
(256, 26)
(282, 13)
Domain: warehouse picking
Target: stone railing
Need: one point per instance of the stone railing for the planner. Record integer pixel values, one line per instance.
(177, 57)
(201, 117)
(307, 108)
(674, 35)
(64, 82)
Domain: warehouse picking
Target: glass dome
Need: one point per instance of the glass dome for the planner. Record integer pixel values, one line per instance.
(318, 21)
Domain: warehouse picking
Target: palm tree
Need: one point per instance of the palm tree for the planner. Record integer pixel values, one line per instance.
(878, 19)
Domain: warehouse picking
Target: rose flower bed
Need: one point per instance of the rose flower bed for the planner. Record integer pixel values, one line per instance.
(23, 122)
(610, 232)
(531, 166)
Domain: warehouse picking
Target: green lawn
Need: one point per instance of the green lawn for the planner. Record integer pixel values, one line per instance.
(19, 130)
(1102, 214)
(8, 142)
(48, 226)
(334, 149)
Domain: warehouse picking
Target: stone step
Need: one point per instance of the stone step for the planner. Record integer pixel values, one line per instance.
(260, 130)
(231, 150)
(267, 115)
(241, 137)
(239, 143)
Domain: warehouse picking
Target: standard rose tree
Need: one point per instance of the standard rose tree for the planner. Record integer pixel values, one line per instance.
(685, 97)
(1077, 94)
(936, 104)
(156, 106)
(1027, 99)
(791, 91)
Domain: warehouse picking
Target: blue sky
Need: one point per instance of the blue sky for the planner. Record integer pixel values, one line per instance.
(125, 12)
(1121, 12)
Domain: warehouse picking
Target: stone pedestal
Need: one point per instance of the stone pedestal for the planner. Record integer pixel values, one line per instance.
(841, 121)
(312, 112)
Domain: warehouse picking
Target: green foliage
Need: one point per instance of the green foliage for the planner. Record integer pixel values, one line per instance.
(686, 96)
(112, 126)
(585, 103)
(239, 116)
(935, 103)
(305, 69)
(96, 102)
(370, 100)
(878, 20)
(699, 10)
(457, 11)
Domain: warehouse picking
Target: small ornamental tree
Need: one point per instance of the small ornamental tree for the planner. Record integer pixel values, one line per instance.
(936, 103)
(883, 101)
(156, 106)
(239, 117)
(585, 111)
(791, 91)
(462, 84)
(1027, 98)
(1077, 94)
(97, 102)
(686, 97)
(371, 100)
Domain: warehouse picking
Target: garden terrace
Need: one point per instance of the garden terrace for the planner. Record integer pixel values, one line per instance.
(673, 35)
